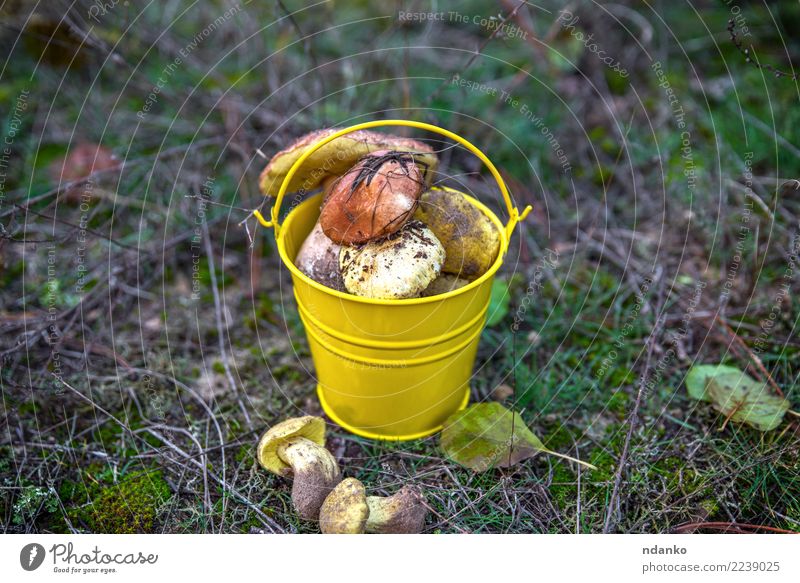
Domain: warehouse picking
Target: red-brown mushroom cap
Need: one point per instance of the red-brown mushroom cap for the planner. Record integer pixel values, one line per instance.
(373, 199)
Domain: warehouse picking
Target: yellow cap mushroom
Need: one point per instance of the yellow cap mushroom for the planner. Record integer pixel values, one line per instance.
(471, 241)
(296, 448)
(446, 282)
(345, 511)
(348, 510)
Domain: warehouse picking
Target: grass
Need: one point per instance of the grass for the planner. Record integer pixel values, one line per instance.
(146, 432)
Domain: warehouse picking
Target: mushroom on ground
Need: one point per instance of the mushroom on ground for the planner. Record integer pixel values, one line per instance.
(372, 199)
(345, 510)
(336, 157)
(402, 513)
(399, 266)
(348, 510)
(470, 239)
(296, 448)
(318, 258)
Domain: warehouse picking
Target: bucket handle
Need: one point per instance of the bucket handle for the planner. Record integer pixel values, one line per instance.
(513, 212)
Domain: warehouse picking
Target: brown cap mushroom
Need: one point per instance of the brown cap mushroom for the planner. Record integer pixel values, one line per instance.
(336, 157)
(296, 448)
(399, 266)
(348, 510)
(345, 511)
(373, 199)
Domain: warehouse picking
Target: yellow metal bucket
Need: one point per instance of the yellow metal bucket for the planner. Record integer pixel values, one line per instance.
(389, 369)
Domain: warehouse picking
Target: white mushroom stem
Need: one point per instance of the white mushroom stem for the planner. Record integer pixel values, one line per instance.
(315, 471)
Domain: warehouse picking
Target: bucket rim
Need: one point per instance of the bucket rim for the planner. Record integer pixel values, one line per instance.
(474, 284)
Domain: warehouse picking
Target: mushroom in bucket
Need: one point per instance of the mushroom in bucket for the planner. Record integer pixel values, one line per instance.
(365, 242)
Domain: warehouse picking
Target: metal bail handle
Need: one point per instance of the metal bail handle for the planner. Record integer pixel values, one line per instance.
(513, 212)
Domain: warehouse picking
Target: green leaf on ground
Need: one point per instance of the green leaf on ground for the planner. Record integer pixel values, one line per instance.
(487, 435)
(737, 396)
(698, 376)
(498, 302)
(744, 400)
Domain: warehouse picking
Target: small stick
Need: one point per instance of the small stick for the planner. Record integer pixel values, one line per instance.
(751, 354)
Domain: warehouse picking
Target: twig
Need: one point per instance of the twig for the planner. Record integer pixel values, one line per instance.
(578, 492)
(530, 33)
(724, 526)
(72, 225)
(753, 357)
(477, 53)
(753, 59)
(632, 420)
(125, 164)
(220, 331)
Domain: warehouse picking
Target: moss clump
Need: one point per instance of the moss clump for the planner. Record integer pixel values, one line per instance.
(129, 507)
(245, 454)
(618, 401)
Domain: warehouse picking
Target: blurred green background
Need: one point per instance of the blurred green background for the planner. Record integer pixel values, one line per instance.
(655, 145)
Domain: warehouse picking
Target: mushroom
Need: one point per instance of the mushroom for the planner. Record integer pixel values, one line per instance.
(399, 266)
(296, 448)
(471, 240)
(345, 511)
(373, 199)
(318, 258)
(336, 157)
(348, 510)
(446, 282)
(402, 513)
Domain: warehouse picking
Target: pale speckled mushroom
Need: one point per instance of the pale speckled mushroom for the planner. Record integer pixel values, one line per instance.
(345, 510)
(318, 258)
(348, 510)
(399, 266)
(296, 448)
(336, 157)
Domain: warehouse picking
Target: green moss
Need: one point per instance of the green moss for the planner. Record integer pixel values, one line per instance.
(5, 459)
(264, 310)
(244, 454)
(287, 373)
(618, 402)
(681, 480)
(710, 506)
(605, 463)
(563, 488)
(128, 507)
(561, 438)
